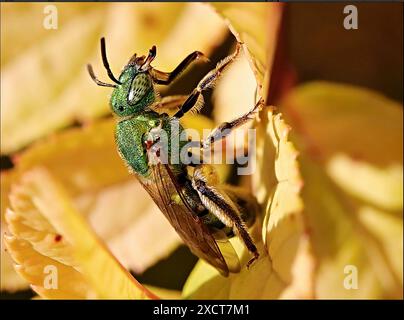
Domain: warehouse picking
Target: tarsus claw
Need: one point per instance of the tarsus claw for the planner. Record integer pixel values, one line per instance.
(256, 256)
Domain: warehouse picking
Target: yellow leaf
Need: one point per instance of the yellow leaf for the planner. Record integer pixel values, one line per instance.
(9, 280)
(387, 187)
(350, 140)
(237, 89)
(57, 90)
(165, 294)
(258, 282)
(380, 224)
(277, 175)
(372, 121)
(50, 238)
(303, 271)
(256, 25)
(278, 184)
(234, 95)
(277, 180)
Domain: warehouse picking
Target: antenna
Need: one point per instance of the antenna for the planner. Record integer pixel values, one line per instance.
(105, 61)
(98, 82)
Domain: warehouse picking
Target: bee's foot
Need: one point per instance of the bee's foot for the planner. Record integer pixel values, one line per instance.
(256, 256)
(201, 56)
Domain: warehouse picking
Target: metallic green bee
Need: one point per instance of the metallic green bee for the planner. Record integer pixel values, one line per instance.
(204, 213)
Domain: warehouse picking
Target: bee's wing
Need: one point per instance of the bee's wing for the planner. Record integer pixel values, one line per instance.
(228, 253)
(187, 224)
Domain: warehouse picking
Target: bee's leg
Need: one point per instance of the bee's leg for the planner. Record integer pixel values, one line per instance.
(195, 99)
(225, 128)
(166, 78)
(248, 205)
(217, 201)
(169, 103)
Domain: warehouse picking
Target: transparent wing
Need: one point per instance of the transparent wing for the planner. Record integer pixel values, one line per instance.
(165, 191)
(227, 250)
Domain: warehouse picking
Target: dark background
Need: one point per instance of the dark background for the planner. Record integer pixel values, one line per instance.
(371, 56)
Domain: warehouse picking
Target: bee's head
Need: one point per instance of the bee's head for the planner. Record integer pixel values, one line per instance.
(134, 90)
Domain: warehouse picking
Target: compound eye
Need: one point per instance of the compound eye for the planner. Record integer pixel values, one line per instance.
(140, 85)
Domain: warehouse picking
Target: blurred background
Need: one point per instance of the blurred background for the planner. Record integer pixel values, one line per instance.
(45, 89)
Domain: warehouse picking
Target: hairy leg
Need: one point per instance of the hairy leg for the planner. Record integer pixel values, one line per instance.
(217, 201)
(195, 99)
(166, 78)
(169, 104)
(225, 128)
